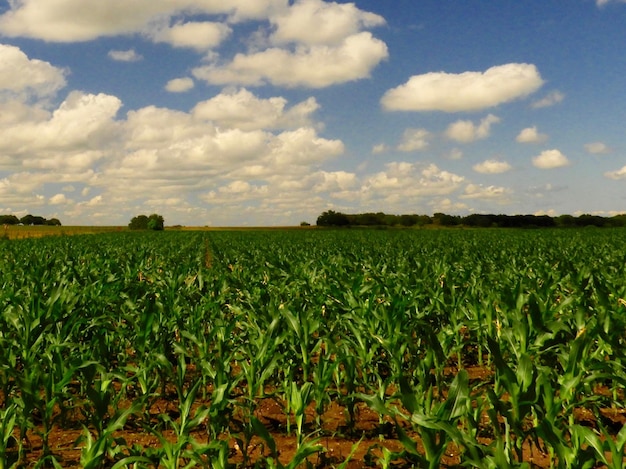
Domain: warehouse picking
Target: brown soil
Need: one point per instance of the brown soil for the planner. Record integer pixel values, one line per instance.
(362, 444)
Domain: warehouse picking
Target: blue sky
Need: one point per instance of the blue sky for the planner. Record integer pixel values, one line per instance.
(269, 112)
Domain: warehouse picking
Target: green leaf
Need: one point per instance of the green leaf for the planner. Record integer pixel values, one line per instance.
(262, 432)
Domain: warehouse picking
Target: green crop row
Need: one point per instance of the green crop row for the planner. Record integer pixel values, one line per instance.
(502, 347)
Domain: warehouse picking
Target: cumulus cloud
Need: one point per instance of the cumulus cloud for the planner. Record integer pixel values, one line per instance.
(466, 131)
(478, 191)
(531, 135)
(402, 180)
(199, 35)
(243, 110)
(379, 148)
(85, 20)
(19, 74)
(454, 154)
(550, 159)
(317, 66)
(551, 99)
(617, 174)
(125, 55)
(262, 147)
(319, 22)
(59, 199)
(71, 138)
(492, 167)
(414, 140)
(597, 148)
(468, 91)
(179, 85)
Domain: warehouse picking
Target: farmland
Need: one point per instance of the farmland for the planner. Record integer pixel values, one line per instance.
(408, 348)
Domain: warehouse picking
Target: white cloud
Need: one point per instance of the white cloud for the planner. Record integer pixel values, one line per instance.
(302, 147)
(551, 99)
(125, 55)
(59, 199)
(336, 181)
(466, 131)
(550, 159)
(402, 180)
(454, 154)
(446, 205)
(379, 148)
(618, 174)
(71, 138)
(317, 66)
(318, 22)
(478, 191)
(19, 74)
(242, 109)
(179, 85)
(94, 201)
(531, 135)
(85, 20)
(468, 91)
(492, 167)
(597, 148)
(199, 35)
(414, 140)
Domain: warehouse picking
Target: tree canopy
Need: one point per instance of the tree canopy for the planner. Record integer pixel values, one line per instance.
(28, 220)
(332, 218)
(153, 222)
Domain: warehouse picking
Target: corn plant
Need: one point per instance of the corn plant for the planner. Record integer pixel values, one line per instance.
(185, 451)
(9, 444)
(104, 416)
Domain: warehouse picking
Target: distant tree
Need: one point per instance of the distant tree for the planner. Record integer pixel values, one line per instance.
(332, 218)
(53, 222)
(9, 220)
(140, 222)
(156, 222)
(443, 219)
(27, 219)
(305, 223)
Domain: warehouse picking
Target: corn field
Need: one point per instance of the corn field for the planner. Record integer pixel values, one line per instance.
(343, 349)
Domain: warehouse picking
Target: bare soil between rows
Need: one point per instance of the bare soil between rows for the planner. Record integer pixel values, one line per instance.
(361, 444)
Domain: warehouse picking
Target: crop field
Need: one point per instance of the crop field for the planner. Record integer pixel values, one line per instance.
(314, 348)
(39, 231)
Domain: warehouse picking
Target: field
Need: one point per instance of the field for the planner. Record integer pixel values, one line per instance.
(342, 349)
(39, 231)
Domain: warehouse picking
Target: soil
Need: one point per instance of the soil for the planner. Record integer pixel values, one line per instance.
(363, 443)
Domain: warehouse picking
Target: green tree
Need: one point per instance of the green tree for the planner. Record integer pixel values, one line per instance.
(27, 219)
(156, 222)
(331, 218)
(140, 222)
(9, 220)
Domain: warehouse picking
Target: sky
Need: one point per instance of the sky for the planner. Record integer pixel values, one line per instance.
(270, 112)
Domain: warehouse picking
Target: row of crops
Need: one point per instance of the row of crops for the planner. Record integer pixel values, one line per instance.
(486, 349)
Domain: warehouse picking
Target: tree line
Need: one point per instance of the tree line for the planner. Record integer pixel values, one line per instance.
(28, 220)
(332, 218)
(153, 222)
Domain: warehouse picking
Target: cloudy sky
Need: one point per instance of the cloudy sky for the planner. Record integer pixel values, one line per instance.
(269, 112)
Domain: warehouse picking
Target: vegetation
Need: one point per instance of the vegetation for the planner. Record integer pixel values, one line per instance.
(153, 222)
(332, 218)
(428, 348)
(28, 220)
